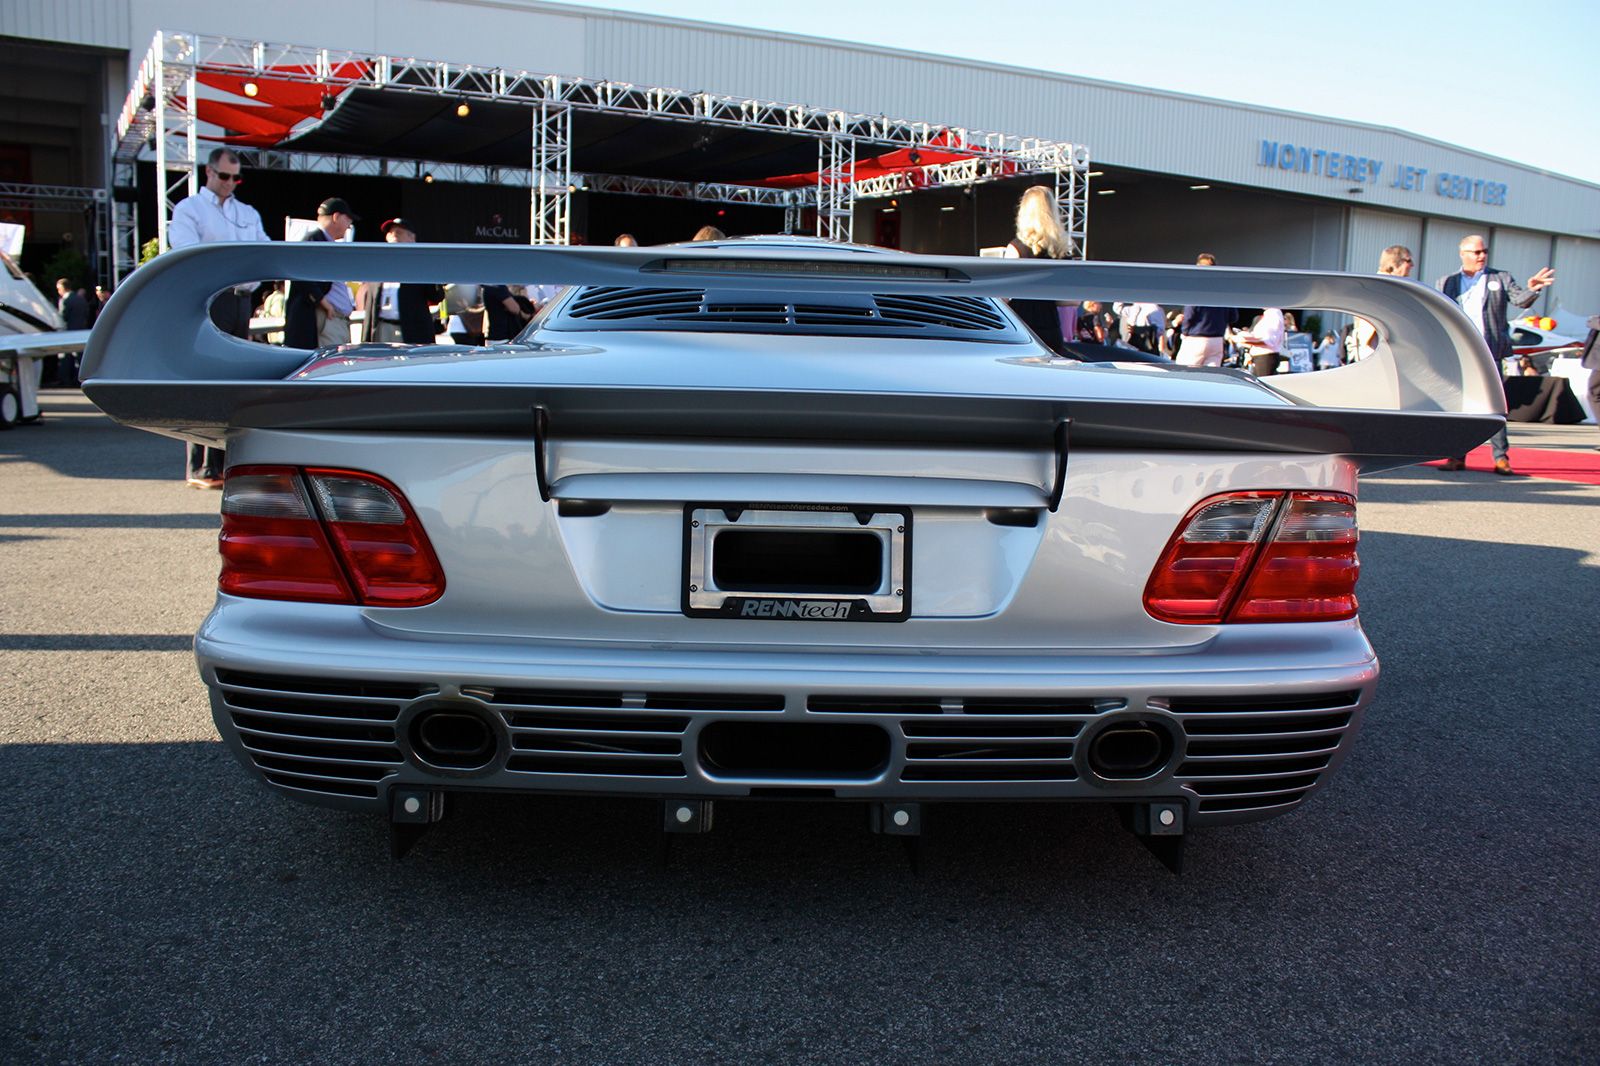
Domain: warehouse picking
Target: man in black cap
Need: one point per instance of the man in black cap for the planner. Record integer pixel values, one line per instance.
(316, 314)
(398, 313)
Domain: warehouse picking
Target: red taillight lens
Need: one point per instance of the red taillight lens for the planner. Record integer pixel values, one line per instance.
(1259, 557)
(1308, 572)
(358, 543)
(381, 541)
(272, 545)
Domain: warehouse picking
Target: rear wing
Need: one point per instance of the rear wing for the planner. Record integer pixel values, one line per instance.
(1430, 389)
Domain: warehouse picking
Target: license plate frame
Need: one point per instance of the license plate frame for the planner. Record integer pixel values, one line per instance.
(889, 602)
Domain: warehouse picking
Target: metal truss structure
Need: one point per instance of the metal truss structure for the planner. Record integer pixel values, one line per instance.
(552, 173)
(157, 115)
(93, 204)
(703, 191)
(836, 167)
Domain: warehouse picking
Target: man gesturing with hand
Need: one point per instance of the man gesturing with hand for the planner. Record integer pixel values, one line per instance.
(1483, 294)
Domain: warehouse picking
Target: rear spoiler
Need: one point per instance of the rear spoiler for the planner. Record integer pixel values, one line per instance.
(1430, 389)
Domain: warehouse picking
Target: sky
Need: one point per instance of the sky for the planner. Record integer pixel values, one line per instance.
(1518, 80)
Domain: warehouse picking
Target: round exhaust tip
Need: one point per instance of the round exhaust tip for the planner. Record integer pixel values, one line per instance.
(1130, 751)
(454, 740)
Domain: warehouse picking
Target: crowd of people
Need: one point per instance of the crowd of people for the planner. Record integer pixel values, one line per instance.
(322, 314)
(1196, 335)
(79, 307)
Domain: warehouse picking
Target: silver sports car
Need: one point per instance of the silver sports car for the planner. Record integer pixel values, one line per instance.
(780, 518)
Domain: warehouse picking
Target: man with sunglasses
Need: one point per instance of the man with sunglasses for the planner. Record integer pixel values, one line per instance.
(215, 214)
(1483, 294)
(211, 216)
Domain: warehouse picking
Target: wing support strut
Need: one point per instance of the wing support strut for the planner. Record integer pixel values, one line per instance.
(541, 435)
(1060, 482)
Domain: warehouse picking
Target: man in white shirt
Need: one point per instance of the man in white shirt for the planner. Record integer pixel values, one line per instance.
(1264, 342)
(213, 216)
(1141, 325)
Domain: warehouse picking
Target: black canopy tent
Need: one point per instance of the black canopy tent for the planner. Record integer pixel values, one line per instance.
(390, 124)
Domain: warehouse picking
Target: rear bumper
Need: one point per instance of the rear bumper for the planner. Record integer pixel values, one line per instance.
(1258, 717)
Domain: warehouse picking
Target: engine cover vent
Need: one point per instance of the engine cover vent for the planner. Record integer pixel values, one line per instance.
(623, 307)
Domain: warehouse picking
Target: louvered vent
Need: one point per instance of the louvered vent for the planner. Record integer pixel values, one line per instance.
(953, 312)
(1251, 753)
(318, 734)
(871, 313)
(954, 748)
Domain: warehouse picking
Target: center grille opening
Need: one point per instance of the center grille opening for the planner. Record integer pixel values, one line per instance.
(797, 561)
(789, 749)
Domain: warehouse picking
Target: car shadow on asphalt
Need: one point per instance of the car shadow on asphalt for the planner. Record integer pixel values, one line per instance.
(180, 793)
(94, 446)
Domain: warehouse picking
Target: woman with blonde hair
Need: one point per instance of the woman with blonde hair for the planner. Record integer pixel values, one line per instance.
(1040, 235)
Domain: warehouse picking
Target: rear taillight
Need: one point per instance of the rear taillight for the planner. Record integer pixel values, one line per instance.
(1259, 557)
(325, 536)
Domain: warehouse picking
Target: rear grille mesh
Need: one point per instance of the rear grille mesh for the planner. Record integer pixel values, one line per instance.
(910, 705)
(1251, 753)
(607, 734)
(324, 735)
(961, 751)
(339, 737)
(645, 745)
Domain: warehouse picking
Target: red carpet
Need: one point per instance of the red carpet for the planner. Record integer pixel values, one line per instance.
(1541, 462)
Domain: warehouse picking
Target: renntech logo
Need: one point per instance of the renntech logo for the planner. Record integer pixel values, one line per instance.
(811, 610)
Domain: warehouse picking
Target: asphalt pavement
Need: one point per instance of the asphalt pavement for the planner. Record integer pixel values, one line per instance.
(1439, 901)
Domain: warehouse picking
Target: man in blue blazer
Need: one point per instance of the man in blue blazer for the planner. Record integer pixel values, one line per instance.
(1483, 294)
(314, 311)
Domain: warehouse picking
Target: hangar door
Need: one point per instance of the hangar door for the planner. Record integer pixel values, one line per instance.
(1373, 231)
(1577, 287)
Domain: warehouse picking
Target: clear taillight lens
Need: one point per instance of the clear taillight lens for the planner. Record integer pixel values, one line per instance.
(348, 538)
(1259, 557)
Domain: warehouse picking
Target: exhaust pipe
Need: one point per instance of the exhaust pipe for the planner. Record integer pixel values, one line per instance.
(1130, 751)
(453, 740)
